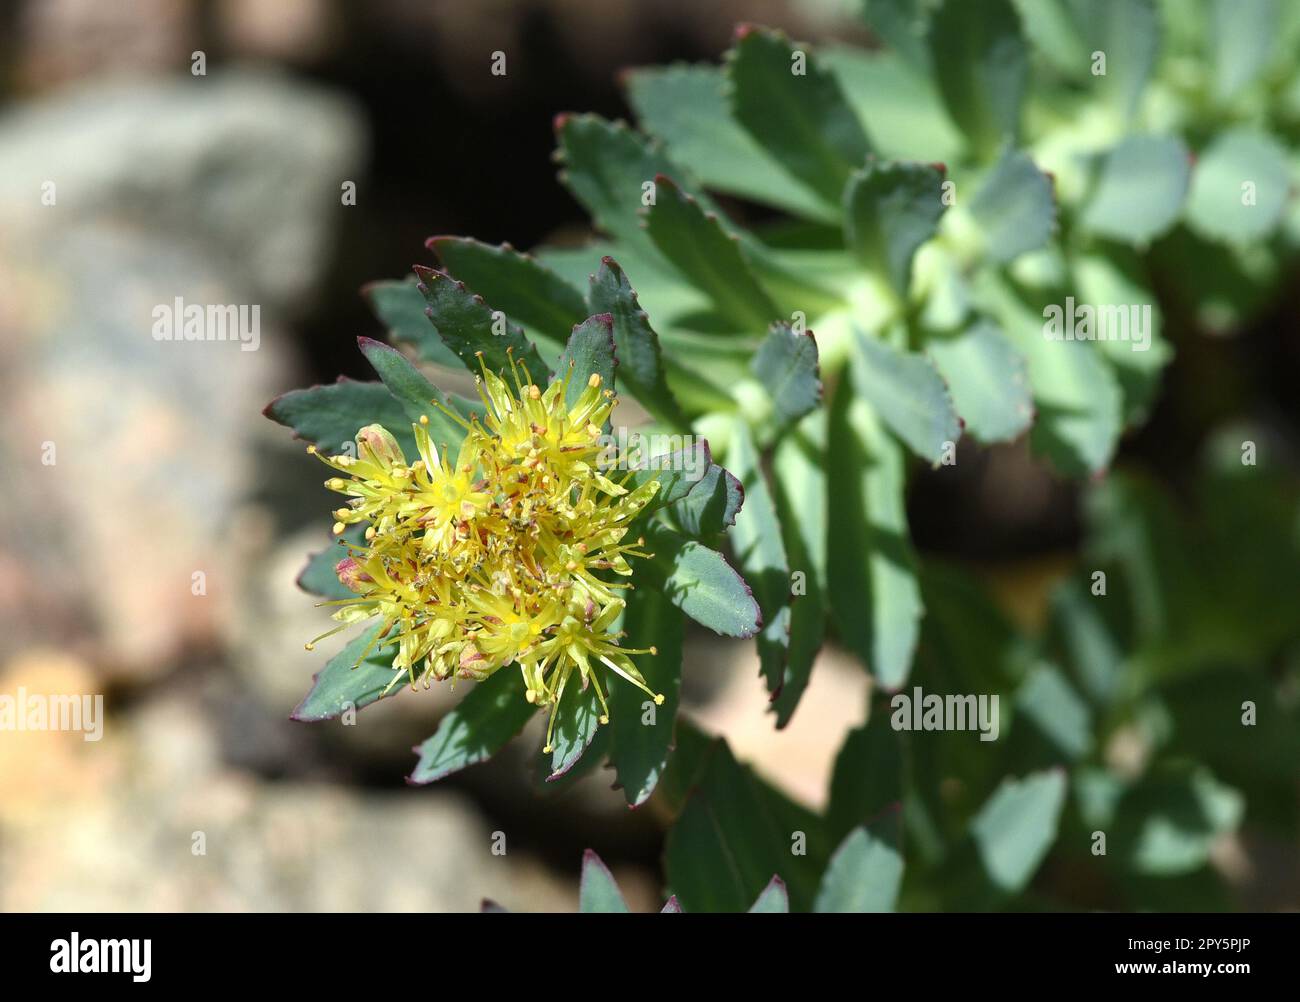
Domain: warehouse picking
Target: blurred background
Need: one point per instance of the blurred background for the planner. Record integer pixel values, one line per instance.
(227, 187)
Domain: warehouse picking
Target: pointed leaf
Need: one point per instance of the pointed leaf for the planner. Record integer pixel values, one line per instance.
(1140, 189)
(576, 718)
(638, 750)
(1015, 208)
(786, 365)
(890, 210)
(795, 110)
(981, 65)
(415, 393)
(1076, 394)
(711, 506)
(636, 343)
(988, 379)
(701, 583)
(330, 416)
(598, 893)
(687, 107)
(1017, 825)
(678, 472)
(756, 541)
(490, 714)
(733, 834)
(469, 326)
(706, 255)
(401, 308)
(339, 687)
(800, 486)
(864, 875)
(590, 351)
(518, 284)
(871, 569)
(609, 168)
(774, 900)
(908, 394)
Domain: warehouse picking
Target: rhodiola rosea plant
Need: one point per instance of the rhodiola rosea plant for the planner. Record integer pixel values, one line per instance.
(935, 203)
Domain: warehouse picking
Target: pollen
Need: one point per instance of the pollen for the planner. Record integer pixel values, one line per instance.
(501, 553)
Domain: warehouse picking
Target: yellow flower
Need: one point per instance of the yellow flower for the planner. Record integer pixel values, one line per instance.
(507, 555)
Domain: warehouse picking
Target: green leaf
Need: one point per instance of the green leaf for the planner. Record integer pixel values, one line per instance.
(636, 343)
(339, 687)
(1068, 32)
(576, 718)
(330, 416)
(492, 712)
(518, 284)
(1167, 823)
(868, 775)
(1015, 208)
(609, 168)
(1140, 189)
(708, 258)
(786, 365)
(901, 109)
(733, 834)
(1242, 36)
(1240, 187)
(1113, 280)
(800, 489)
(908, 394)
(469, 326)
(639, 751)
(902, 25)
(756, 541)
(1049, 704)
(1015, 828)
(980, 64)
(1093, 651)
(687, 107)
(318, 577)
(678, 472)
(874, 593)
(774, 900)
(864, 876)
(401, 308)
(1076, 394)
(711, 506)
(795, 110)
(415, 393)
(597, 892)
(988, 379)
(701, 583)
(590, 351)
(890, 210)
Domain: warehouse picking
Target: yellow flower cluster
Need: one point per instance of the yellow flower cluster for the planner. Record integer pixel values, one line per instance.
(500, 555)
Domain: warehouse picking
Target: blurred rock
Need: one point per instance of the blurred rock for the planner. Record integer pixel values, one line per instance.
(175, 829)
(131, 455)
(242, 168)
